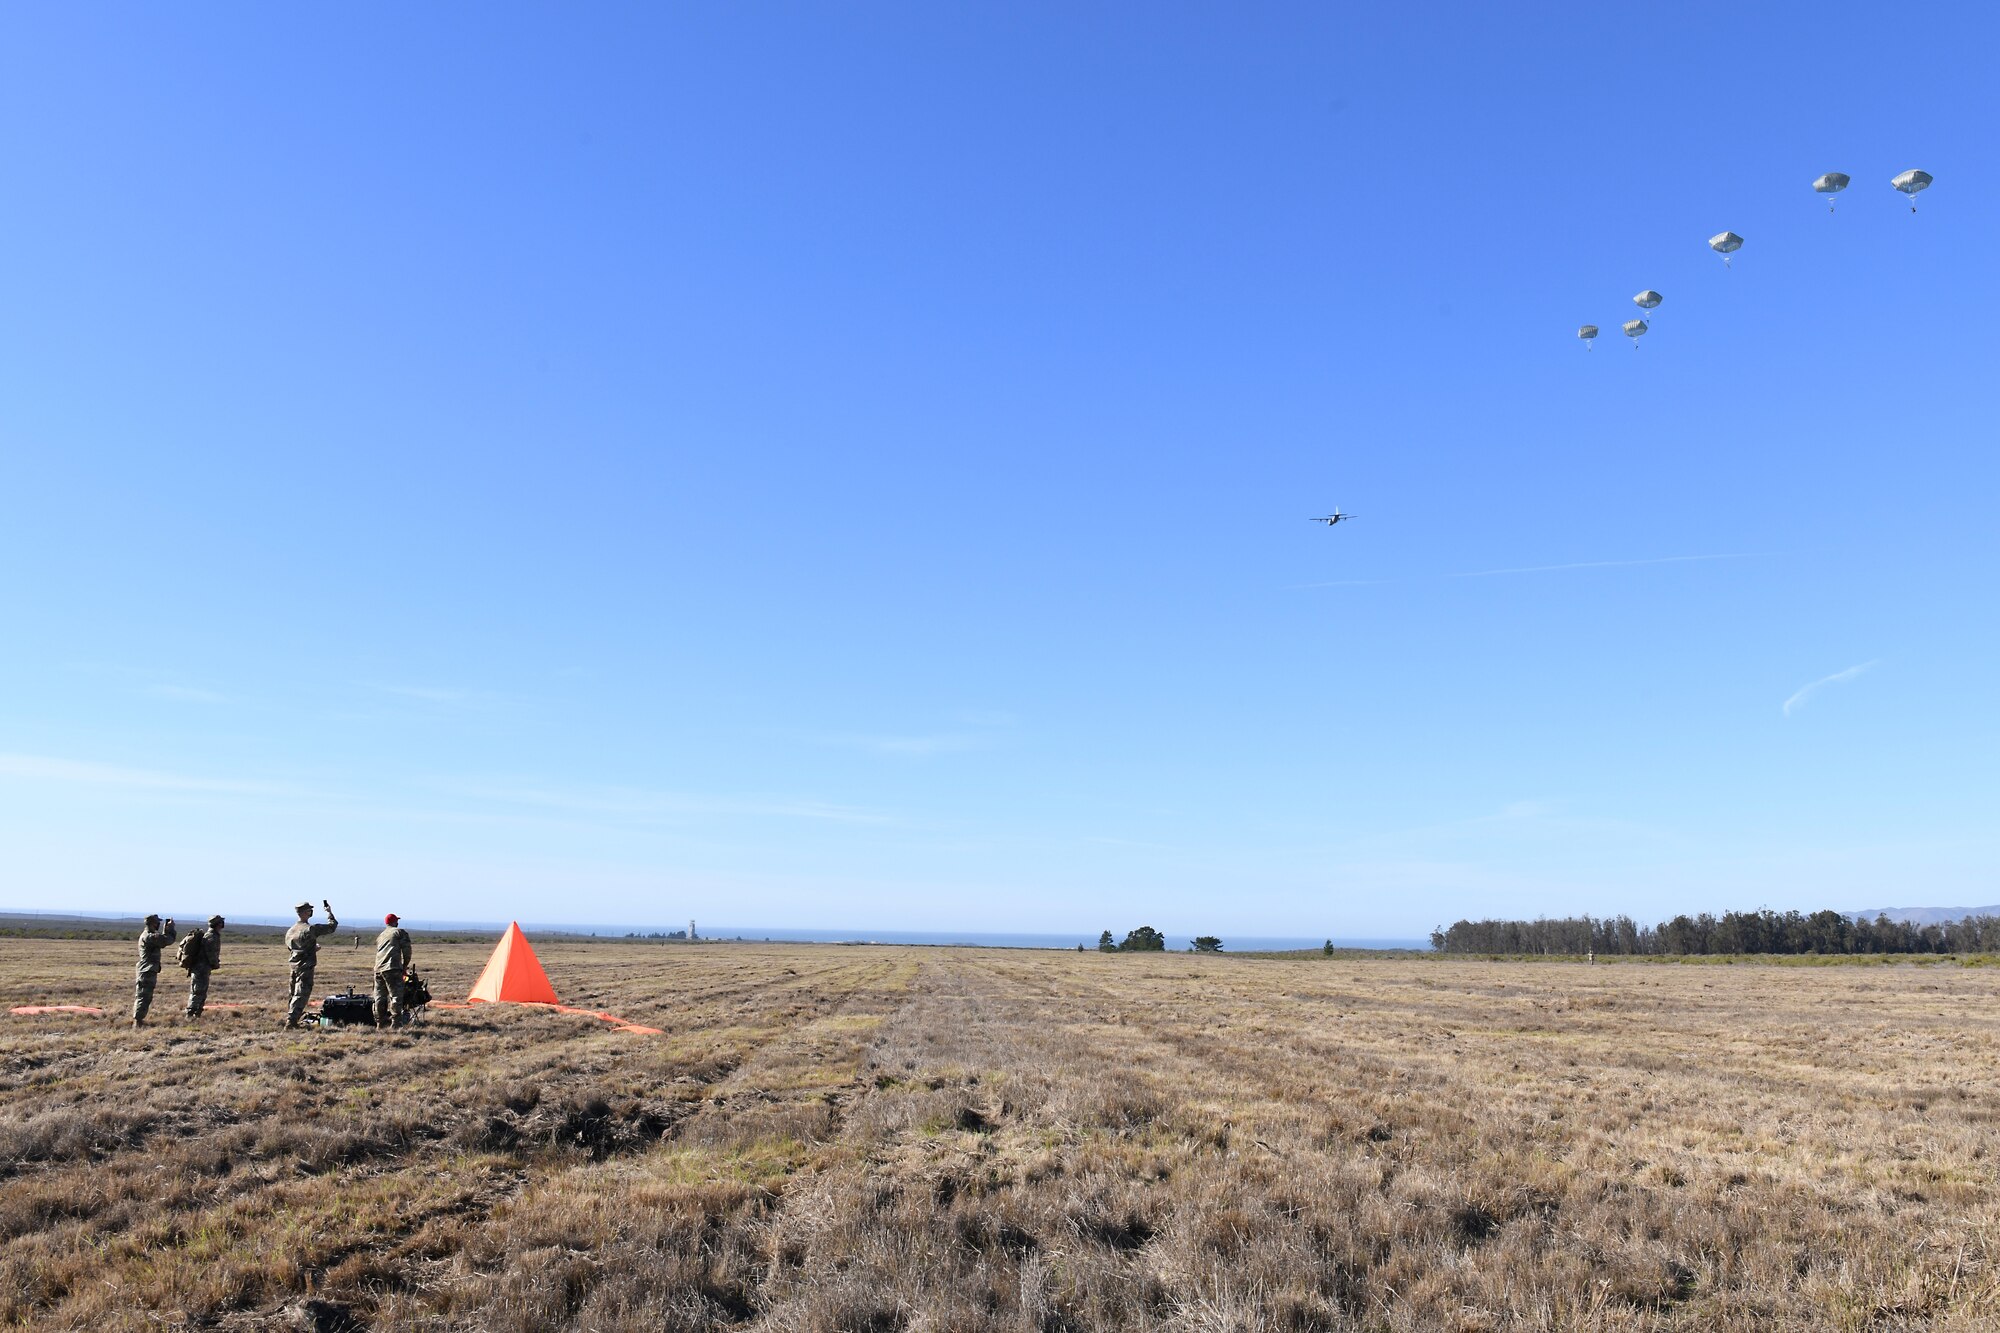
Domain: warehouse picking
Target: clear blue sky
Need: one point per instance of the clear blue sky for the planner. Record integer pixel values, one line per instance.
(848, 465)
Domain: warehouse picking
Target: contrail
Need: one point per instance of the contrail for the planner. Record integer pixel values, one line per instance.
(1835, 679)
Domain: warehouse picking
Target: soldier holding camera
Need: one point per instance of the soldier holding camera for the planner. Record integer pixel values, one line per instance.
(302, 940)
(155, 937)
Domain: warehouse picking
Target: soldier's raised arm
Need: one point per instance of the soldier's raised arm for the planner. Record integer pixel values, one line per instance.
(331, 924)
(154, 935)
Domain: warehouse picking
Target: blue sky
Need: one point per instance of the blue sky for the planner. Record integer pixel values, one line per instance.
(848, 466)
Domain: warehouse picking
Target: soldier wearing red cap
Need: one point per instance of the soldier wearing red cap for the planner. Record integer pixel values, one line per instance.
(392, 963)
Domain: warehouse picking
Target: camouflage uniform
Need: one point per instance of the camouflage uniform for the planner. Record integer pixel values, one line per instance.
(392, 960)
(303, 942)
(151, 940)
(207, 957)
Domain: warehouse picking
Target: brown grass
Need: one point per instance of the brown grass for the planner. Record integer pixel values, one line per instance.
(918, 1139)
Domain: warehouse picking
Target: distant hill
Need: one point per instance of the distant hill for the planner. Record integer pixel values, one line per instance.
(1925, 916)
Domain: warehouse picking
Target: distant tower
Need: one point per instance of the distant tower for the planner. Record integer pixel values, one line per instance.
(691, 934)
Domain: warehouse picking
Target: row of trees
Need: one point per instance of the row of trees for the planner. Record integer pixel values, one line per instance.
(1147, 940)
(1825, 932)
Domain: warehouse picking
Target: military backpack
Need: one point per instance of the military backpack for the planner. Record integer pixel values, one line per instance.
(188, 952)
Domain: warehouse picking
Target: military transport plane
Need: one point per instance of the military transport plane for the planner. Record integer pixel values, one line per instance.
(1335, 517)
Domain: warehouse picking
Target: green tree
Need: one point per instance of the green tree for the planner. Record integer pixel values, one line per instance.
(1327, 949)
(1104, 944)
(1207, 944)
(1143, 940)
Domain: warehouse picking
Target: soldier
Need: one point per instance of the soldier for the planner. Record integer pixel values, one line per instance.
(392, 960)
(303, 942)
(203, 955)
(151, 940)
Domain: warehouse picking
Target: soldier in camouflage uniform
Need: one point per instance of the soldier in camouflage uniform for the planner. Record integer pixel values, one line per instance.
(151, 940)
(303, 942)
(206, 956)
(392, 960)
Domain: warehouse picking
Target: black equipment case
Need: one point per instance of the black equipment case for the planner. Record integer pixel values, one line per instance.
(347, 1007)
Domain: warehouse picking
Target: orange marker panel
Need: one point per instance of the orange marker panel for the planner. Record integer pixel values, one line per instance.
(513, 973)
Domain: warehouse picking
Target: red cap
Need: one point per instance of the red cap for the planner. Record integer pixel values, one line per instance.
(389, 920)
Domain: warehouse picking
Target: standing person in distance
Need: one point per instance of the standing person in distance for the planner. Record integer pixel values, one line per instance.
(392, 963)
(302, 940)
(201, 954)
(152, 939)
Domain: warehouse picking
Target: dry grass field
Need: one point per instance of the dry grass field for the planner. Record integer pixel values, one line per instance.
(879, 1139)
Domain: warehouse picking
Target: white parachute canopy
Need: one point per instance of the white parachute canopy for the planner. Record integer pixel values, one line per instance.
(1830, 185)
(1648, 299)
(1635, 329)
(1725, 244)
(1588, 333)
(1910, 182)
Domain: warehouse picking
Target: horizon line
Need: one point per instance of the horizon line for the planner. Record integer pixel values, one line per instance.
(747, 933)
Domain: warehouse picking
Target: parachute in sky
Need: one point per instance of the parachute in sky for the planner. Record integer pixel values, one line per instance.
(1648, 299)
(1589, 335)
(1725, 244)
(1910, 182)
(1635, 329)
(1830, 185)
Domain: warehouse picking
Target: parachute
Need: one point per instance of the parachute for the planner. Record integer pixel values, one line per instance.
(1589, 334)
(1725, 244)
(1647, 299)
(1635, 329)
(1910, 182)
(1830, 185)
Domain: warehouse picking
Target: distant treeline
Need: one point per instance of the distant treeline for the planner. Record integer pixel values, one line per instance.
(1733, 932)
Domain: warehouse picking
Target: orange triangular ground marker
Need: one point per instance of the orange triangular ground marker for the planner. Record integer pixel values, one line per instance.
(514, 973)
